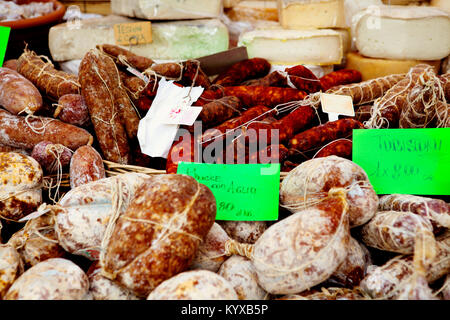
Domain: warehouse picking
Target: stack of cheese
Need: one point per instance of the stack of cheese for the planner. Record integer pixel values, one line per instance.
(198, 33)
(392, 39)
(311, 32)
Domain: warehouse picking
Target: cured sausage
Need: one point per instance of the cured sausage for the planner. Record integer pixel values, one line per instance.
(243, 70)
(340, 77)
(316, 137)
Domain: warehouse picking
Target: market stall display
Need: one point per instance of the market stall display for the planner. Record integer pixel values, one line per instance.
(87, 214)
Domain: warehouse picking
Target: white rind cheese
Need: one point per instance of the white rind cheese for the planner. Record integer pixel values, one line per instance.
(171, 40)
(167, 9)
(372, 68)
(300, 14)
(403, 33)
(292, 47)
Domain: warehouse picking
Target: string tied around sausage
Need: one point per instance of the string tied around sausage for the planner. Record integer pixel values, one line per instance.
(337, 236)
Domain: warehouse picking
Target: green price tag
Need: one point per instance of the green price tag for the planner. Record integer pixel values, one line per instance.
(4, 37)
(244, 192)
(405, 161)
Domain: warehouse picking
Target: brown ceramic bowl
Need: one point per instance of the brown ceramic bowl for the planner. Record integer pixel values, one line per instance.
(52, 17)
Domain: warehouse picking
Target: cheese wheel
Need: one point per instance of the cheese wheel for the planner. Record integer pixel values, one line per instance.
(402, 32)
(292, 47)
(254, 10)
(299, 14)
(372, 68)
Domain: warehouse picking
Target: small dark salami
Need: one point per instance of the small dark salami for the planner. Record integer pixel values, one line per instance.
(51, 156)
(219, 111)
(193, 75)
(73, 109)
(243, 70)
(86, 165)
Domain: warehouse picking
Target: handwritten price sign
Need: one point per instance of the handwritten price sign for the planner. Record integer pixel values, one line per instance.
(405, 161)
(244, 192)
(131, 34)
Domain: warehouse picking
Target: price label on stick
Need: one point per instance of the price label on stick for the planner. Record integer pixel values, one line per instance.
(405, 161)
(4, 37)
(336, 105)
(243, 192)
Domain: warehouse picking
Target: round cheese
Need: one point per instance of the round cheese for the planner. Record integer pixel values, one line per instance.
(372, 68)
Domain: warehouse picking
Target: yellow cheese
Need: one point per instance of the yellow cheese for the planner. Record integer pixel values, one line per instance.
(443, 4)
(254, 10)
(372, 68)
(300, 14)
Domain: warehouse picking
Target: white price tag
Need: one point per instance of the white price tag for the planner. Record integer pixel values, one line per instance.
(336, 105)
(170, 108)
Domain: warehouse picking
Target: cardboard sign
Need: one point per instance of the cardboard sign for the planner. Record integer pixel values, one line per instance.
(4, 37)
(244, 192)
(131, 34)
(336, 105)
(219, 62)
(405, 161)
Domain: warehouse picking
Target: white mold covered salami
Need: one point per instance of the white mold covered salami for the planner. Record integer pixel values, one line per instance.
(37, 241)
(304, 249)
(395, 231)
(316, 177)
(102, 288)
(86, 166)
(354, 268)
(436, 210)
(10, 267)
(53, 279)
(244, 231)
(211, 252)
(194, 285)
(240, 272)
(385, 282)
(159, 234)
(83, 213)
(20, 185)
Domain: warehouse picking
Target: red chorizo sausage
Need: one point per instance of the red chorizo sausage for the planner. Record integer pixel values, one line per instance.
(340, 77)
(318, 136)
(304, 79)
(266, 96)
(341, 148)
(243, 70)
(183, 148)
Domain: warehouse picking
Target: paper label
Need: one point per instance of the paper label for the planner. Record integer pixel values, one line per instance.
(336, 105)
(405, 161)
(155, 134)
(132, 34)
(4, 38)
(243, 192)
